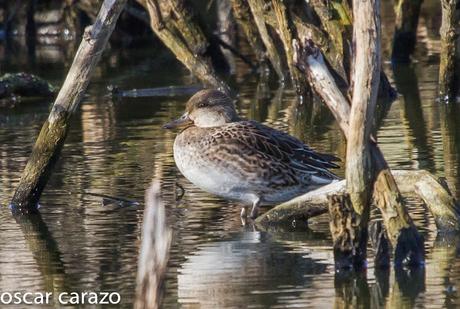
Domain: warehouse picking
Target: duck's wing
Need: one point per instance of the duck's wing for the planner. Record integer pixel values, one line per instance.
(284, 148)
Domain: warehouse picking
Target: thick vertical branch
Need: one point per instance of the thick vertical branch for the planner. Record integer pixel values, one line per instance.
(405, 36)
(53, 133)
(257, 8)
(366, 80)
(448, 49)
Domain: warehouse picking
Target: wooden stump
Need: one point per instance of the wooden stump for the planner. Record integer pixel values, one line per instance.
(349, 233)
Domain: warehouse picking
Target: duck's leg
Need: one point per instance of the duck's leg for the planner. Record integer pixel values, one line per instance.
(255, 208)
(244, 211)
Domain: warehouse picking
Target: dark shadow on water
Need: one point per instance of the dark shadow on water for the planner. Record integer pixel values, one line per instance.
(407, 85)
(44, 250)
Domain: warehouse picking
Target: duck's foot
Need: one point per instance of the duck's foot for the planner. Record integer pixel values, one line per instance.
(255, 209)
(244, 212)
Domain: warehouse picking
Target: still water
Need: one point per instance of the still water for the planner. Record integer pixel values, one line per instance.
(117, 147)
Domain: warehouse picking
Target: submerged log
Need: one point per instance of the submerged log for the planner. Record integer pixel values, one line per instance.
(53, 133)
(448, 50)
(24, 84)
(170, 91)
(348, 235)
(154, 252)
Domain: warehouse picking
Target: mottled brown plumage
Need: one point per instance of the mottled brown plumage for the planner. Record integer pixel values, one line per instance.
(244, 160)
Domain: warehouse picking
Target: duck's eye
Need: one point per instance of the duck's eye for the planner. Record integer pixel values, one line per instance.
(202, 104)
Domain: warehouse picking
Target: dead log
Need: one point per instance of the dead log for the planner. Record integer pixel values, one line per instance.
(439, 201)
(386, 194)
(448, 50)
(53, 133)
(169, 91)
(24, 84)
(154, 252)
(348, 235)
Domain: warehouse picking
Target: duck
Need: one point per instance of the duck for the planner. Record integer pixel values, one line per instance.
(244, 160)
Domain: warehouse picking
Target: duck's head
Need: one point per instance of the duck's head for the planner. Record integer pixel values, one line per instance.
(206, 108)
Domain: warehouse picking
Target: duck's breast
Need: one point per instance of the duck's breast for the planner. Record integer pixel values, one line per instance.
(206, 173)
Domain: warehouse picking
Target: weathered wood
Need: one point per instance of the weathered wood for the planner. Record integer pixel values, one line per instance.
(181, 14)
(245, 20)
(448, 50)
(366, 79)
(310, 61)
(314, 203)
(348, 235)
(53, 133)
(154, 252)
(311, 204)
(336, 28)
(287, 33)
(380, 244)
(405, 35)
(386, 194)
(196, 63)
(440, 202)
(257, 9)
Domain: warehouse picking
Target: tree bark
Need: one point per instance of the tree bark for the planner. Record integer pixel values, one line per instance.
(287, 34)
(348, 235)
(448, 50)
(366, 78)
(196, 63)
(53, 133)
(257, 9)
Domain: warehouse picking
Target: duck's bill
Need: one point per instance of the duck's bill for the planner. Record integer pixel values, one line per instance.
(183, 121)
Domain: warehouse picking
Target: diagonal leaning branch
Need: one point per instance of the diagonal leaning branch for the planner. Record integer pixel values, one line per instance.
(54, 131)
